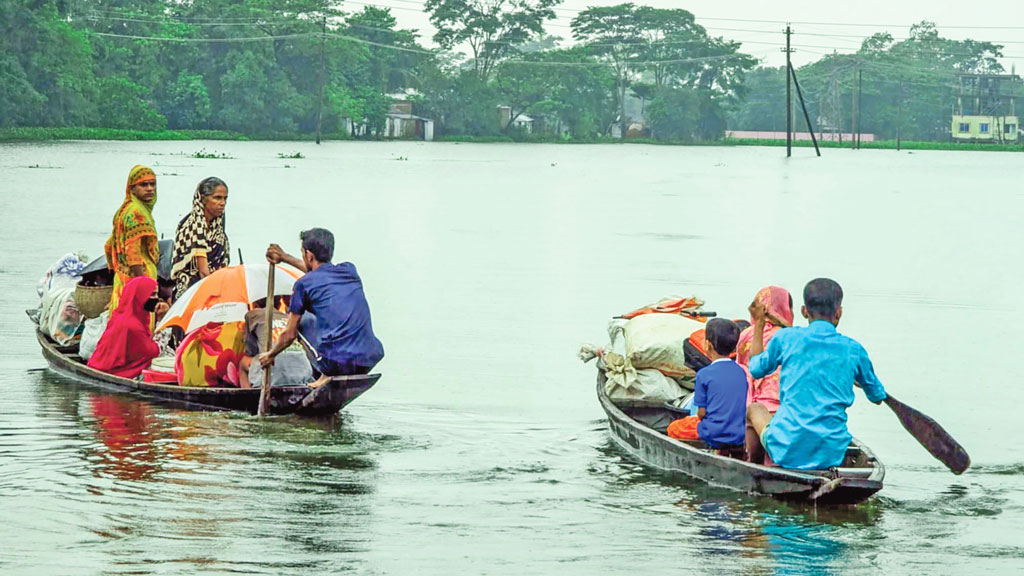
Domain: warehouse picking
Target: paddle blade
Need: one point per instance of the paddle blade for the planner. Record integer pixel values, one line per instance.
(933, 437)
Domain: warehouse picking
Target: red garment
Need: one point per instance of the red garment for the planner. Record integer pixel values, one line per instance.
(765, 390)
(127, 345)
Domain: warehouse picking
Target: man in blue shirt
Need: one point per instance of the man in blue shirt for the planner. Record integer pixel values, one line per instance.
(819, 369)
(345, 342)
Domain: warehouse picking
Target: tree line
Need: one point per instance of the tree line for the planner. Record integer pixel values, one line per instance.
(277, 68)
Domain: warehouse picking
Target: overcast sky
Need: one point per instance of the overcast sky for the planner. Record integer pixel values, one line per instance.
(836, 25)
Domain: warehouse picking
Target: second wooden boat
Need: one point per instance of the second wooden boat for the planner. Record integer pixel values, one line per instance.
(641, 433)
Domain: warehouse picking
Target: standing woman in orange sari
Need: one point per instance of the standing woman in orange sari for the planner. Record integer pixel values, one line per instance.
(779, 304)
(132, 249)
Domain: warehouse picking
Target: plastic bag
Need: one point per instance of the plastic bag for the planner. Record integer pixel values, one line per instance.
(64, 273)
(91, 334)
(291, 368)
(60, 318)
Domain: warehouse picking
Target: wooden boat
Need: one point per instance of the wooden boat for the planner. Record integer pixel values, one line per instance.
(641, 433)
(302, 400)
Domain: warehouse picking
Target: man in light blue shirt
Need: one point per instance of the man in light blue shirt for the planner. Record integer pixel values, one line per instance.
(819, 369)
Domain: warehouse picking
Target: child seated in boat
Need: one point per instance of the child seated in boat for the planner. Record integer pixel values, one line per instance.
(720, 393)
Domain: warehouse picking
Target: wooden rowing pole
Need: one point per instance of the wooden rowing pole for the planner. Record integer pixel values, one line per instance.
(264, 407)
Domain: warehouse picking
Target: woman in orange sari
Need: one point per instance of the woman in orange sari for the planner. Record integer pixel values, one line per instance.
(779, 303)
(132, 248)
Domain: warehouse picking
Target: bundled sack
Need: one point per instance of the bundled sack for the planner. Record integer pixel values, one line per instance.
(91, 335)
(60, 318)
(656, 341)
(629, 386)
(208, 357)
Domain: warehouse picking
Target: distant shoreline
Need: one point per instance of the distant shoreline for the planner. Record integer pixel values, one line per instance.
(9, 135)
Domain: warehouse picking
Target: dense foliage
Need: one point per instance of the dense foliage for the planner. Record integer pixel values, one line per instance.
(923, 71)
(263, 68)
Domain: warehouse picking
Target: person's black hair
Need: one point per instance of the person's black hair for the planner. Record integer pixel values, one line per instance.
(723, 335)
(208, 185)
(823, 297)
(743, 324)
(320, 242)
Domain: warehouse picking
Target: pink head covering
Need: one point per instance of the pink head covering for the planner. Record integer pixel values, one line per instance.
(780, 315)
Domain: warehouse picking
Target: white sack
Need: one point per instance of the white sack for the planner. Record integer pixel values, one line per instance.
(94, 329)
(656, 341)
(628, 386)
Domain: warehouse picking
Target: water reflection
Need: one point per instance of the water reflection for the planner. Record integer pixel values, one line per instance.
(750, 534)
(207, 480)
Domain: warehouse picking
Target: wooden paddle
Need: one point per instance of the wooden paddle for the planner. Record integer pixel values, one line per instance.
(932, 436)
(269, 319)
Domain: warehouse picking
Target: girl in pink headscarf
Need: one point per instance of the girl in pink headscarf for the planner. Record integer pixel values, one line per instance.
(779, 304)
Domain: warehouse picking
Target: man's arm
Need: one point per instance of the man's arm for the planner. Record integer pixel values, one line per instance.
(865, 376)
(291, 331)
(276, 255)
(766, 362)
(701, 413)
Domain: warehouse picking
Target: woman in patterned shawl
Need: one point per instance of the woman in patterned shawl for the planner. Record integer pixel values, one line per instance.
(132, 248)
(200, 243)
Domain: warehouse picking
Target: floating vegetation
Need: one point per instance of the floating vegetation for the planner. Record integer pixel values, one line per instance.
(296, 156)
(287, 165)
(204, 155)
(402, 158)
(40, 166)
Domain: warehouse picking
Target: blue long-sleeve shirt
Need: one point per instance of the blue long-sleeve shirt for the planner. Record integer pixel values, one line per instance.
(819, 369)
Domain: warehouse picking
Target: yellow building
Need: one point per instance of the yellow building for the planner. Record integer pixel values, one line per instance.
(985, 109)
(985, 128)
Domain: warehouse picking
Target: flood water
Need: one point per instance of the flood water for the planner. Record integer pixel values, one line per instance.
(483, 450)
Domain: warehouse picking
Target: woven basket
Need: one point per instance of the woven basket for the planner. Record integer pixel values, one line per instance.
(92, 300)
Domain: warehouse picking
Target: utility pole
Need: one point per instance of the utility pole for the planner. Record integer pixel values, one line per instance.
(789, 97)
(320, 105)
(859, 75)
(803, 105)
(853, 120)
(899, 117)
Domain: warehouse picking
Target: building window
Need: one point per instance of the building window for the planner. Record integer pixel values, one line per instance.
(1011, 128)
(984, 127)
(965, 127)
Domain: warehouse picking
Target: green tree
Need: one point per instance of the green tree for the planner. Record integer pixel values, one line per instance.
(675, 114)
(491, 28)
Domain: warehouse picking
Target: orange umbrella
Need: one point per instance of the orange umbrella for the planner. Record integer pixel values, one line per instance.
(225, 295)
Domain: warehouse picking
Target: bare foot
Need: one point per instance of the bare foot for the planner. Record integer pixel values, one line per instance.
(324, 379)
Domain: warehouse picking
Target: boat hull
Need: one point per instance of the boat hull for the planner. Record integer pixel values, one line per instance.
(639, 431)
(302, 400)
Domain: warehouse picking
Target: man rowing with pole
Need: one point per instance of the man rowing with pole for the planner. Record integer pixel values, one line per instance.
(333, 293)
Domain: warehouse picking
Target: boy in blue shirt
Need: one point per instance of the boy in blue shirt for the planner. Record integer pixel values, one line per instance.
(819, 369)
(720, 393)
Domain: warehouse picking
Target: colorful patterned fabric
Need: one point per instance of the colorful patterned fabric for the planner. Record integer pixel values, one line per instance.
(780, 315)
(209, 356)
(197, 238)
(127, 346)
(133, 241)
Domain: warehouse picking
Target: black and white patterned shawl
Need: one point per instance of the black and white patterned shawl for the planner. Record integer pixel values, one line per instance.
(194, 237)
